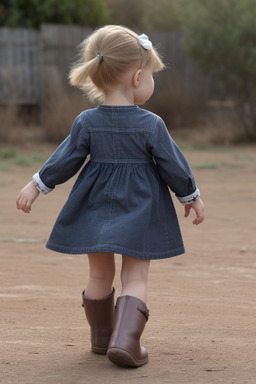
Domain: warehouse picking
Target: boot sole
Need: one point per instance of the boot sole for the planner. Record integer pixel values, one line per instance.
(123, 358)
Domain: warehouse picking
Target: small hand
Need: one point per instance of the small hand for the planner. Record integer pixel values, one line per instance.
(26, 197)
(198, 207)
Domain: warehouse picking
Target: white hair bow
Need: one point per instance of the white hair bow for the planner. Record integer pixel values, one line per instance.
(145, 42)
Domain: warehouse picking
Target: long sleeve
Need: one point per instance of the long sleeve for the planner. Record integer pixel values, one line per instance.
(66, 160)
(172, 164)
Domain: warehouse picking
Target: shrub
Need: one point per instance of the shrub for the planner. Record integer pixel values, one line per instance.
(220, 35)
(31, 13)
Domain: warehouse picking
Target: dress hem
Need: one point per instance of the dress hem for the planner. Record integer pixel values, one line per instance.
(115, 249)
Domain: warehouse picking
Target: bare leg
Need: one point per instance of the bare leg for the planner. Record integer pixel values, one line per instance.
(134, 277)
(101, 275)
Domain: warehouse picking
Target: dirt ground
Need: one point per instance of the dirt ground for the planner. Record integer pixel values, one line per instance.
(202, 326)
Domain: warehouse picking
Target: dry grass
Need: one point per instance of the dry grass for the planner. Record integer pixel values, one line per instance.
(8, 118)
(59, 111)
(176, 105)
(187, 117)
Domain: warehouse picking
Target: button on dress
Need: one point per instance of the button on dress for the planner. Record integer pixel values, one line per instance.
(120, 201)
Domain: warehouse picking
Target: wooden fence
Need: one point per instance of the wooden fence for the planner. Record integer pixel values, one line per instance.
(19, 66)
(32, 63)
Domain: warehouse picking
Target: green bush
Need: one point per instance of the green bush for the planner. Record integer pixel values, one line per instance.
(31, 13)
(220, 35)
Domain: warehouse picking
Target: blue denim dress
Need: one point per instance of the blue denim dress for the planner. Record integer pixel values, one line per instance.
(120, 202)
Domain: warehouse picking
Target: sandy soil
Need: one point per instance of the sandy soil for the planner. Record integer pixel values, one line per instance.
(202, 305)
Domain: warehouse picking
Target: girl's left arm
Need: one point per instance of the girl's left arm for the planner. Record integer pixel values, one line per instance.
(175, 170)
(61, 166)
(26, 197)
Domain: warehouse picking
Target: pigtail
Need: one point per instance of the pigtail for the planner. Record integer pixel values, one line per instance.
(78, 75)
(82, 70)
(81, 75)
(94, 94)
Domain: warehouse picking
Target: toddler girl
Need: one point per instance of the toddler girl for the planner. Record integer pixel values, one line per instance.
(120, 202)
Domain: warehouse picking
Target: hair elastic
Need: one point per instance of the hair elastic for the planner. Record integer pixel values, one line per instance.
(100, 56)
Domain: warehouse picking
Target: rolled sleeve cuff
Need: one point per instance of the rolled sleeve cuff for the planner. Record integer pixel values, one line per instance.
(40, 185)
(190, 198)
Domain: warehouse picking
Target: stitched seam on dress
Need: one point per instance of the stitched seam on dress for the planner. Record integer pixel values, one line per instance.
(152, 130)
(122, 161)
(86, 130)
(115, 249)
(119, 131)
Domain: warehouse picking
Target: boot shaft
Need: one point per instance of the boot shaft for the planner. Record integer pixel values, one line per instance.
(100, 316)
(124, 349)
(131, 314)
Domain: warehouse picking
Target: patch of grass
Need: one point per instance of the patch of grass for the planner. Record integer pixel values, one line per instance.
(197, 147)
(25, 161)
(8, 156)
(38, 158)
(216, 165)
(237, 156)
(7, 153)
(207, 165)
(232, 165)
(201, 147)
(5, 168)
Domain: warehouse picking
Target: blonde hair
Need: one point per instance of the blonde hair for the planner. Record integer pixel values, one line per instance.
(106, 55)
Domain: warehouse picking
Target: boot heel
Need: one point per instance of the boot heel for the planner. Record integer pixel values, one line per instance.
(124, 359)
(99, 350)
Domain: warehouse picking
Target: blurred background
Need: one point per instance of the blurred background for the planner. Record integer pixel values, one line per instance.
(206, 93)
(204, 318)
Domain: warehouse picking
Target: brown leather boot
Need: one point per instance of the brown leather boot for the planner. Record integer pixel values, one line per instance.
(99, 314)
(124, 348)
